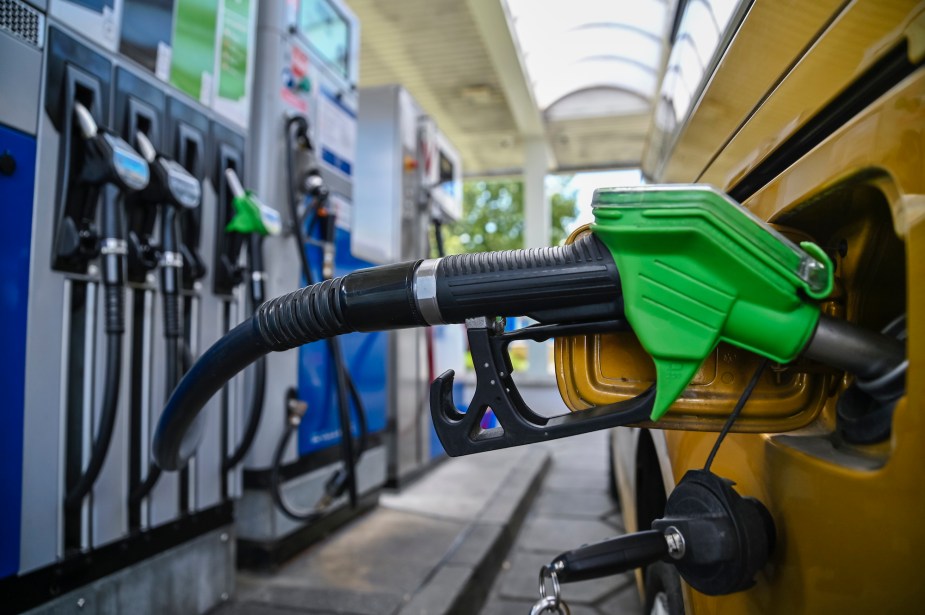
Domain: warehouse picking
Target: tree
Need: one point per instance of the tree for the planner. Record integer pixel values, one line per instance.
(493, 215)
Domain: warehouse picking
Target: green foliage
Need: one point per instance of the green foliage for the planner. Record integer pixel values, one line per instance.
(493, 215)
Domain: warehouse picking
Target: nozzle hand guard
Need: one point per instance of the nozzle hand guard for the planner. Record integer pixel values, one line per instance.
(461, 433)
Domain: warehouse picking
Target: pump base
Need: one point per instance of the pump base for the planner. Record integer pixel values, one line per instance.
(267, 538)
(157, 584)
(269, 555)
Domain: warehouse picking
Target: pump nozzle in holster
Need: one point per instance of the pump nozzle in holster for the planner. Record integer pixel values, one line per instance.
(107, 160)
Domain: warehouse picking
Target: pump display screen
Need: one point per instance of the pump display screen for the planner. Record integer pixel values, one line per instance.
(327, 32)
(447, 175)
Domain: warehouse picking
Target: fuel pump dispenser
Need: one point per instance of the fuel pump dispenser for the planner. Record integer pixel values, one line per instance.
(305, 473)
(319, 215)
(725, 275)
(104, 159)
(411, 184)
(235, 224)
(112, 163)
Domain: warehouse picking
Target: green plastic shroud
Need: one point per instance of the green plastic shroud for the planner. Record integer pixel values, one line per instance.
(252, 216)
(697, 268)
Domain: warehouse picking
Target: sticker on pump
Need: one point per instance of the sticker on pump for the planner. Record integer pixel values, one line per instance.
(343, 210)
(337, 133)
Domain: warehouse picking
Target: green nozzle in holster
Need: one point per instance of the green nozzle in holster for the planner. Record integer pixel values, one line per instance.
(252, 216)
(698, 268)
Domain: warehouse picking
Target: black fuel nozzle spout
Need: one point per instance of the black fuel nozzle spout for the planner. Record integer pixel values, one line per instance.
(108, 160)
(573, 283)
(172, 189)
(104, 159)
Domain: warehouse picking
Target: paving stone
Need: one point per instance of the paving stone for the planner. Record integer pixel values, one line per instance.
(557, 535)
(251, 608)
(482, 539)
(387, 551)
(458, 489)
(521, 607)
(326, 600)
(520, 582)
(507, 607)
(587, 505)
(564, 479)
(444, 593)
(623, 602)
(511, 503)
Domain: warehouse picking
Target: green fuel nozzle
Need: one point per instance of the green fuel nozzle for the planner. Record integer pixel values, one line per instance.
(697, 268)
(686, 267)
(251, 216)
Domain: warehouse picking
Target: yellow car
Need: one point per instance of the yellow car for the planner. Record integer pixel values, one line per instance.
(812, 115)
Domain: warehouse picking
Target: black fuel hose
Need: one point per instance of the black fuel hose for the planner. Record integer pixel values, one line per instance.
(170, 271)
(257, 295)
(110, 404)
(112, 256)
(297, 131)
(573, 283)
(276, 492)
(438, 236)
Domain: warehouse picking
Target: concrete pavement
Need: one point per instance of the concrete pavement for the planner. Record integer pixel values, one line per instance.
(468, 537)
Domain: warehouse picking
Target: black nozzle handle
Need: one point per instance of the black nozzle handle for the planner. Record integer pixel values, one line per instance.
(610, 557)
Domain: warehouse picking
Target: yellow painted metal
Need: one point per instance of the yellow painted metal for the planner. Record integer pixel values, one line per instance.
(773, 34)
(850, 518)
(860, 35)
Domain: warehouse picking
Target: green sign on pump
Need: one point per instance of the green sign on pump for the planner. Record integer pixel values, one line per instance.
(697, 268)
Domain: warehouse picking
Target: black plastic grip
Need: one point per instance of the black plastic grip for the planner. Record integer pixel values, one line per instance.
(173, 317)
(303, 316)
(610, 557)
(570, 283)
(382, 298)
(114, 309)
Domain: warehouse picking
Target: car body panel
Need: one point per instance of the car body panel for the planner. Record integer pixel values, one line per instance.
(848, 517)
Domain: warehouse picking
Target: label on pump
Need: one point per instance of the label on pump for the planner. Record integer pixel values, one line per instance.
(131, 168)
(337, 134)
(183, 187)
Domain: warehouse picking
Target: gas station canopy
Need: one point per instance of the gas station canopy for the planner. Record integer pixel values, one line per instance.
(581, 75)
